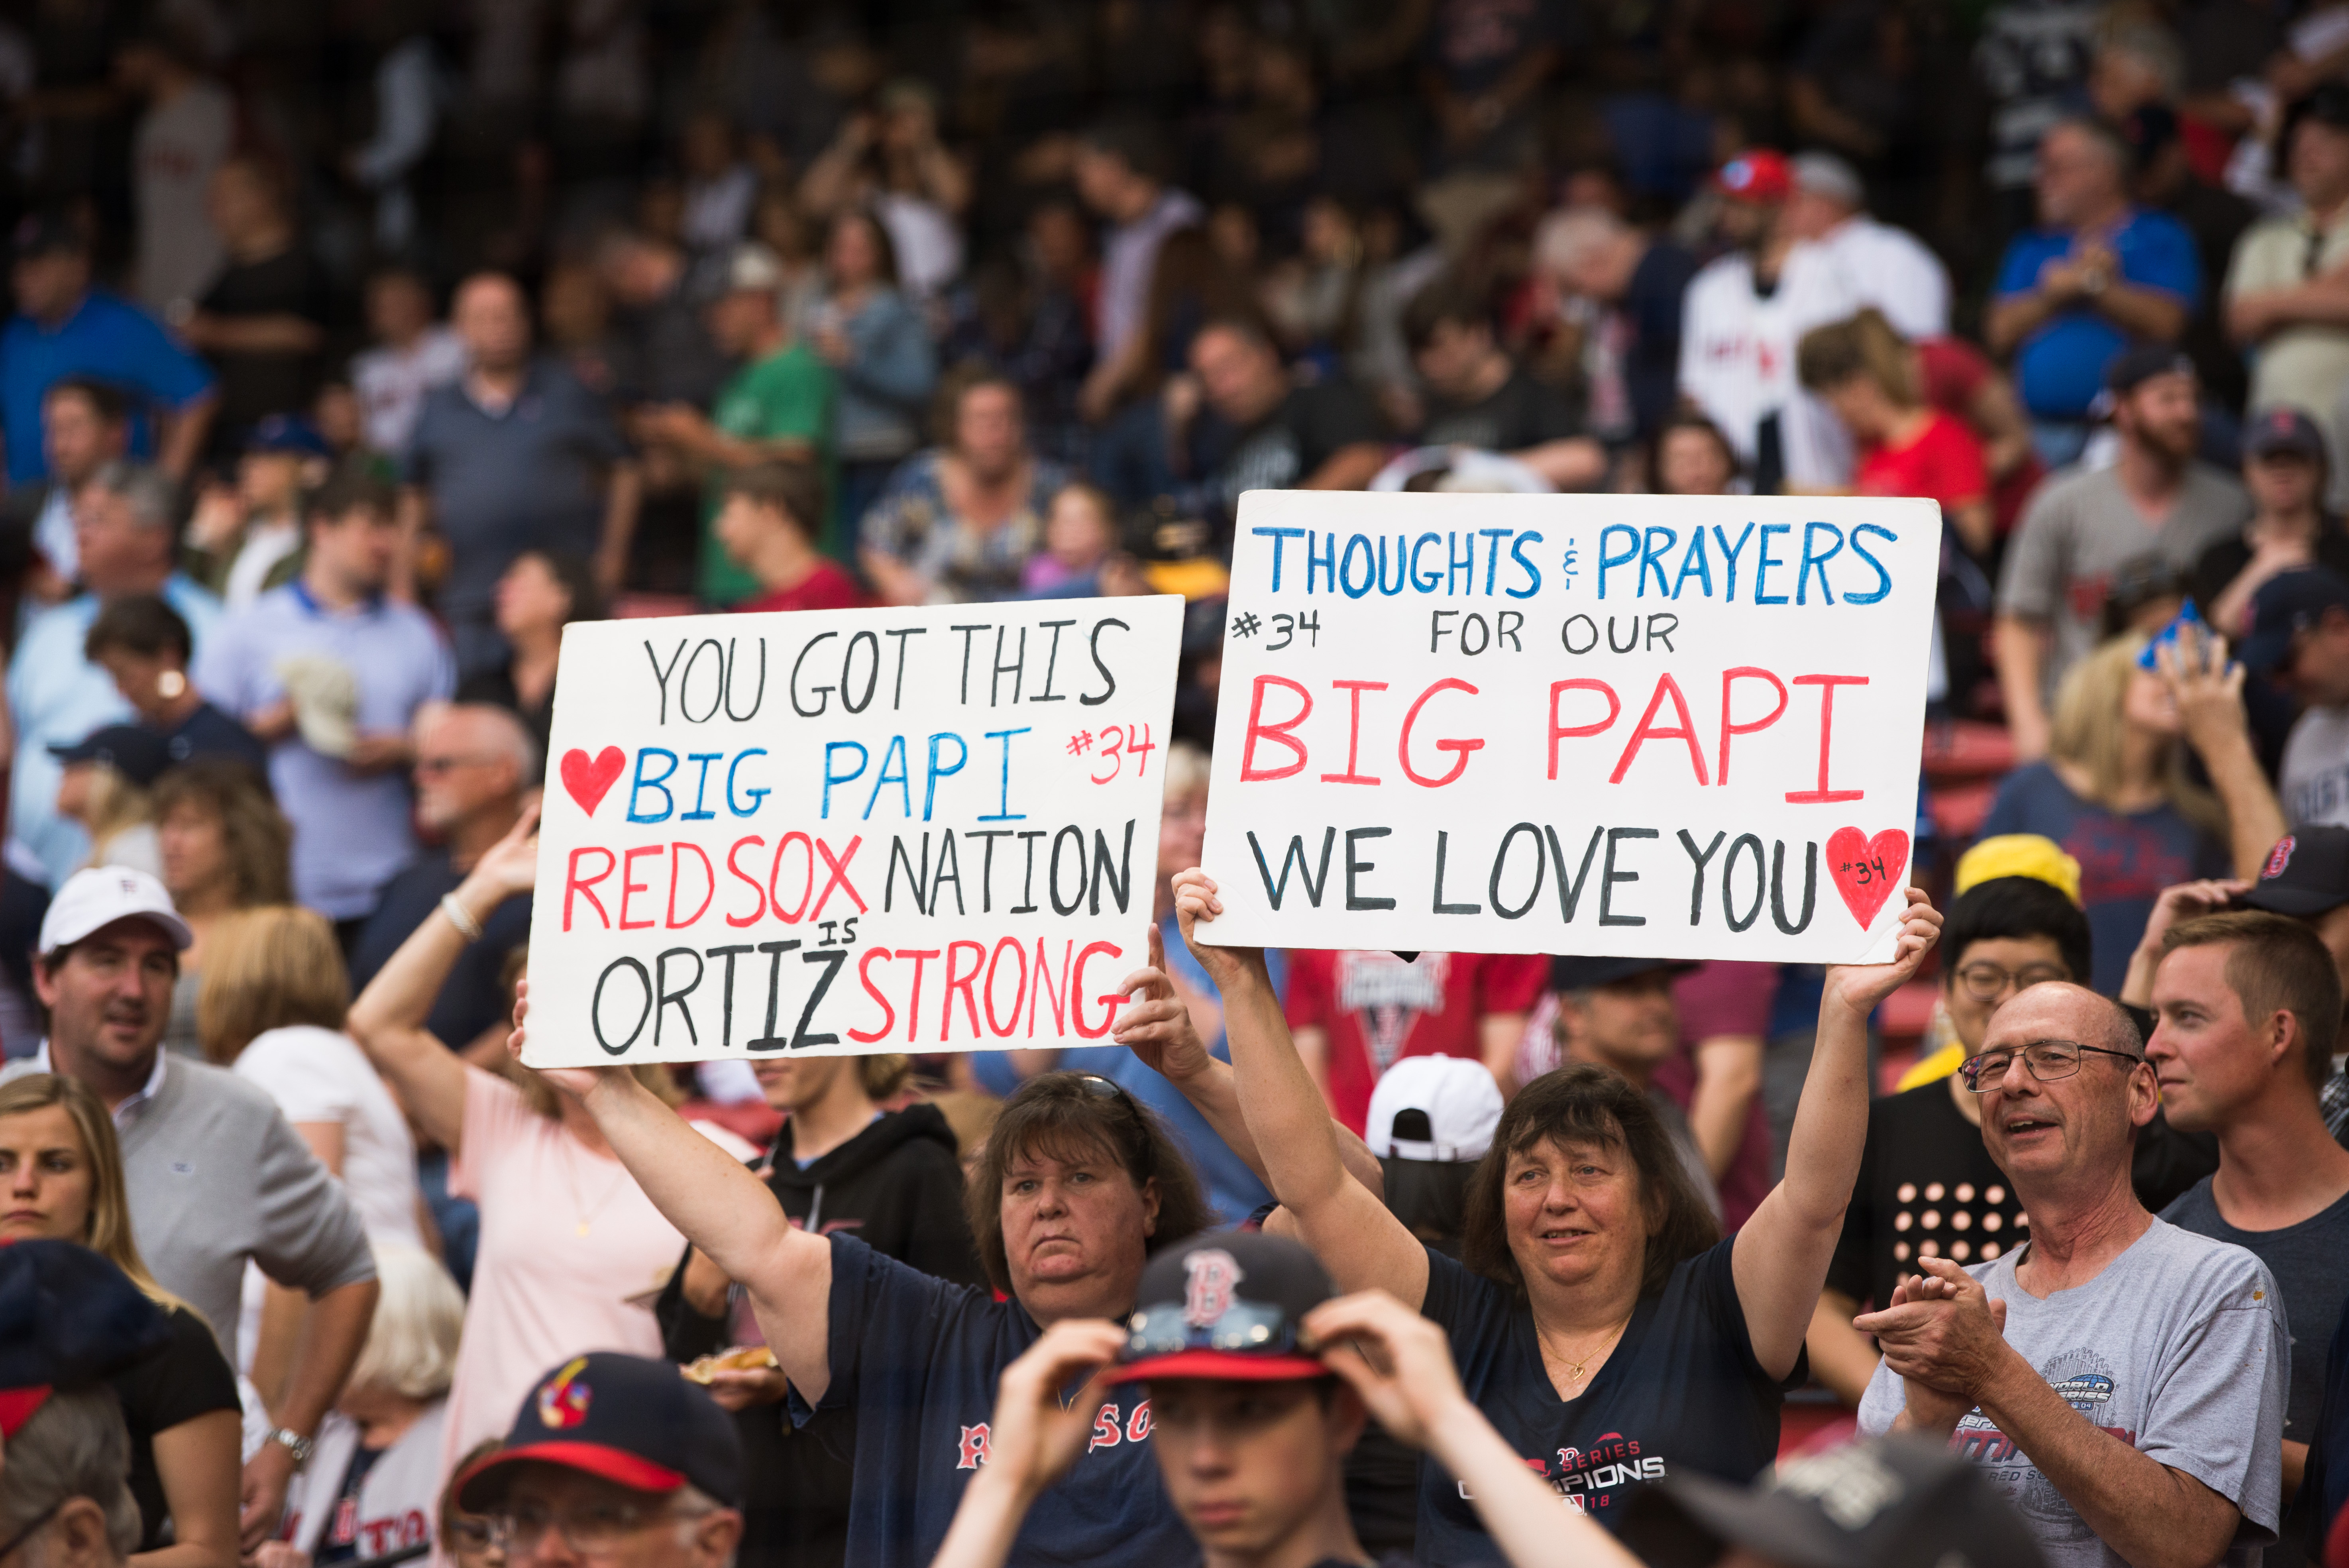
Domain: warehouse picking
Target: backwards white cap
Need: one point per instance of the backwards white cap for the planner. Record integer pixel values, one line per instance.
(1462, 1101)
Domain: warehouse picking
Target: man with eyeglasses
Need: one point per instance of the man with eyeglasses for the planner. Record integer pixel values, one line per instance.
(2124, 1379)
(1927, 1186)
(2249, 1006)
(613, 1461)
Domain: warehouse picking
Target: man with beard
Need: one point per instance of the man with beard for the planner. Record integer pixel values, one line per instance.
(2084, 524)
(215, 1177)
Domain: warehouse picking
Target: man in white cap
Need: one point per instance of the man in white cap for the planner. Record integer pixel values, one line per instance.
(215, 1176)
(1883, 266)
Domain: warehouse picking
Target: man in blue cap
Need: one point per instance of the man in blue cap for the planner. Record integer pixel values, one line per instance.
(2300, 639)
(615, 1459)
(248, 538)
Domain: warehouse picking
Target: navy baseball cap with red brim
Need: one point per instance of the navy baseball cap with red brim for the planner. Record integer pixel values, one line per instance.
(1228, 1306)
(623, 1419)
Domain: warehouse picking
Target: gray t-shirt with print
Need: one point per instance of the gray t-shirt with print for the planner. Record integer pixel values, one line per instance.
(2081, 528)
(2178, 1349)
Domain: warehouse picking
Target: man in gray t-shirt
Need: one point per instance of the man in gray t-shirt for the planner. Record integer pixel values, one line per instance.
(2084, 525)
(2250, 1006)
(2124, 1379)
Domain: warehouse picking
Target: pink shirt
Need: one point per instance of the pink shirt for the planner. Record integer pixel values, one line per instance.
(543, 1292)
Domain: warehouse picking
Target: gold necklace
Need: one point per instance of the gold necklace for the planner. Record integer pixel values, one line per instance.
(1575, 1369)
(578, 1209)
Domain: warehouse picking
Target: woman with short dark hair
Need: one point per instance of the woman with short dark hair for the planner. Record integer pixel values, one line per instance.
(1598, 1320)
(1078, 1185)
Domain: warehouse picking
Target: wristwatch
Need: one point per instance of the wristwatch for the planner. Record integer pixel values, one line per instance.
(293, 1443)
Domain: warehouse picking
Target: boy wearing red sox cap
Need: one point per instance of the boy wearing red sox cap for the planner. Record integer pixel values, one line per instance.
(1259, 1383)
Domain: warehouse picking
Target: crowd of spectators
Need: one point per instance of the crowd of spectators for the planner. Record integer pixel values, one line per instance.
(357, 351)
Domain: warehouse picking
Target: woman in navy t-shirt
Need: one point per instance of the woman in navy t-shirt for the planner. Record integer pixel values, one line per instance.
(1598, 1320)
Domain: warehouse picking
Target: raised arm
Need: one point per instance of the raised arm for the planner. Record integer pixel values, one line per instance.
(2209, 692)
(717, 1205)
(1350, 1229)
(387, 1020)
(1781, 1257)
(1157, 1028)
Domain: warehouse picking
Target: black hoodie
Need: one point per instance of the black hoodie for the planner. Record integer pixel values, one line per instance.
(897, 1187)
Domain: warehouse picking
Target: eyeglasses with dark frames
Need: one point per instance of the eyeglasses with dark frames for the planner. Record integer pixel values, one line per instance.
(1986, 982)
(2049, 1061)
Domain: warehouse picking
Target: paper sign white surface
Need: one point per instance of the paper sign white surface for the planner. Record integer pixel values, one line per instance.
(1601, 725)
(846, 832)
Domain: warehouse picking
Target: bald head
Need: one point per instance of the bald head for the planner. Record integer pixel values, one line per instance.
(493, 315)
(2061, 1125)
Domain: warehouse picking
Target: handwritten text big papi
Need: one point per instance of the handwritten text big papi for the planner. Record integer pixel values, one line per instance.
(843, 831)
(1637, 725)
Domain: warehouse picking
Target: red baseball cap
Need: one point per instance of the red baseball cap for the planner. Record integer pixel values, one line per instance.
(1756, 175)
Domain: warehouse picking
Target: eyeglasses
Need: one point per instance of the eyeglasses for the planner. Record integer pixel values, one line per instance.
(30, 1530)
(592, 1530)
(2049, 1061)
(1986, 982)
(1101, 1088)
(472, 1535)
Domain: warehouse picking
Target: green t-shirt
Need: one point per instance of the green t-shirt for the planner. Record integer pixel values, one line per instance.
(788, 393)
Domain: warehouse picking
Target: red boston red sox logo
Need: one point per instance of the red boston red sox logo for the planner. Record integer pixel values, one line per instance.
(2279, 858)
(1208, 1295)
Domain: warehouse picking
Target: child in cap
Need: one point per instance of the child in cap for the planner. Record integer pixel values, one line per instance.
(1258, 1384)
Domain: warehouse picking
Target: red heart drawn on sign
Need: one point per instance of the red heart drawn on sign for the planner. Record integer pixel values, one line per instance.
(588, 781)
(1867, 869)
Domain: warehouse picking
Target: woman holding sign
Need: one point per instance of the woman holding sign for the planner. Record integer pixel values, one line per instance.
(1598, 1320)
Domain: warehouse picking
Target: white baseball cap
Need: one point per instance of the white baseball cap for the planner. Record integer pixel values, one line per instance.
(1462, 1101)
(101, 896)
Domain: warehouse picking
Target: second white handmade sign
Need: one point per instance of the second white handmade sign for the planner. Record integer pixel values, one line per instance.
(1604, 725)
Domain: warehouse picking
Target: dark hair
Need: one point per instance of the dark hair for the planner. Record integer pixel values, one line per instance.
(576, 576)
(2276, 965)
(1586, 1103)
(2015, 909)
(110, 402)
(793, 489)
(255, 835)
(1689, 419)
(1446, 300)
(885, 248)
(357, 484)
(1862, 346)
(1133, 142)
(946, 404)
(142, 624)
(1065, 1113)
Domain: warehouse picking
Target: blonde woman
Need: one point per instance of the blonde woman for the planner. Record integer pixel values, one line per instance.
(271, 1007)
(61, 1179)
(571, 1252)
(373, 1484)
(2116, 791)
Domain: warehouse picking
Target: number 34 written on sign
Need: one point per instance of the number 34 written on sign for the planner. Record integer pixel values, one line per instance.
(1110, 746)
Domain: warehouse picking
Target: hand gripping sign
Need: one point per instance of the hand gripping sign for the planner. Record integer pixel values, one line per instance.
(1604, 725)
(844, 832)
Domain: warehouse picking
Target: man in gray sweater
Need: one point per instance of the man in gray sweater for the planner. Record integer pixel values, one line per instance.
(215, 1175)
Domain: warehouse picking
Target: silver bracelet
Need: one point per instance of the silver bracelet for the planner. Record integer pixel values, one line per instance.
(460, 917)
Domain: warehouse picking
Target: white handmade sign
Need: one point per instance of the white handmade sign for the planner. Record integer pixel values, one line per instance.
(1599, 725)
(835, 832)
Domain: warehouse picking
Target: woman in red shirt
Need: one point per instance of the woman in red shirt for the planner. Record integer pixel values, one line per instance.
(1864, 371)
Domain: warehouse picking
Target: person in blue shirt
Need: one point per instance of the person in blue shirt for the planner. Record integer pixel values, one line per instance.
(1234, 1190)
(1078, 1185)
(124, 526)
(2098, 274)
(64, 327)
(1598, 1318)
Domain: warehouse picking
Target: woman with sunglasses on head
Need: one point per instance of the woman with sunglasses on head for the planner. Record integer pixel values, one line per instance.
(1079, 1184)
(1598, 1319)
(891, 1177)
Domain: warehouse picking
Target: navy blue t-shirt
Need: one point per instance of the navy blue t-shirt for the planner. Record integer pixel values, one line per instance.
(1681, 1394)
(917, 1360)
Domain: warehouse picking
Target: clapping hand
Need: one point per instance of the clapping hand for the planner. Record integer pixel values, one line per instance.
(1945, 1338)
